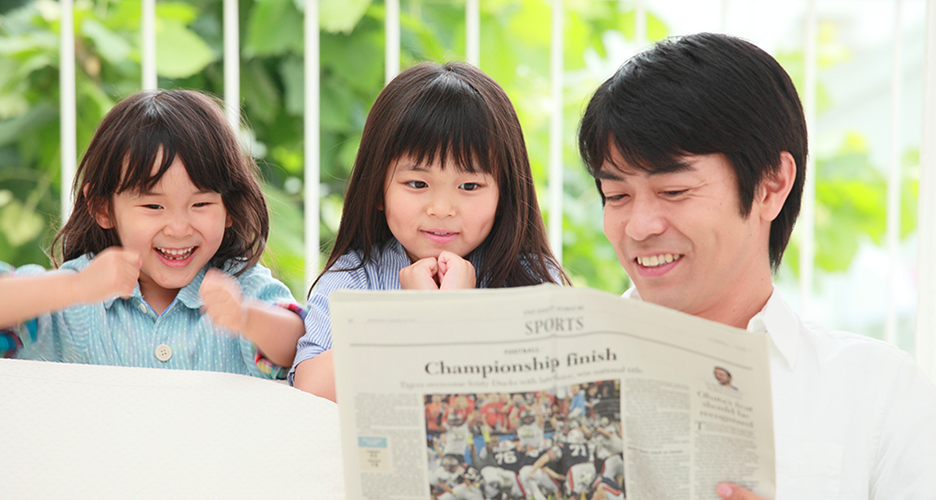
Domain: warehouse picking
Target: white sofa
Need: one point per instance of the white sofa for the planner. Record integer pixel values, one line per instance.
(83, 431)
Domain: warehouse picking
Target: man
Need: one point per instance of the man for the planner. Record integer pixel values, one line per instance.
(698, 149)
(723, 377)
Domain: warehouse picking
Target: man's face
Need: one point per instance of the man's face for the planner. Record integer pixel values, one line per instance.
(722, 376)
(682, 240)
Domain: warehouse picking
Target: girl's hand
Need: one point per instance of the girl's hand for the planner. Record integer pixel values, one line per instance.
(112, 272)
(455, 273)
(223, 301)
(421, 275)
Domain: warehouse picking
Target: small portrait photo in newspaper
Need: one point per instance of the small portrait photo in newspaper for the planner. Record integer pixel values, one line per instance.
(724, 379)
(547, 444)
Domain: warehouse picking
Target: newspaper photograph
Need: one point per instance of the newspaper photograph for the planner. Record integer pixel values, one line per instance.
(546, 392)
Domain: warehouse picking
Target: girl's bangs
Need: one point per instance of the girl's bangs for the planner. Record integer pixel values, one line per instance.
(450, 124)
(137, 166)
(205, 168)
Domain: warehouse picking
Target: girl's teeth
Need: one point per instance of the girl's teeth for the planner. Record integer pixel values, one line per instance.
(175, 254)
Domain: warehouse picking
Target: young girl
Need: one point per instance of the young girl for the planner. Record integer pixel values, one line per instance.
(441, 197)
(160, 252)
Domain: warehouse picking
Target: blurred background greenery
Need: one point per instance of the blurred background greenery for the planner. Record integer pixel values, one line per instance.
(515, 39)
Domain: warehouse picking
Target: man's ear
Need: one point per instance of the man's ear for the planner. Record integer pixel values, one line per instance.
(775, 188)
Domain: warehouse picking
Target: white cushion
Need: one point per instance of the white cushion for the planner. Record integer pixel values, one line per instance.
(86, 431)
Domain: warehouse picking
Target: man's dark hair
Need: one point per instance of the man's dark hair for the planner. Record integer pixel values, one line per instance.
(696, 95)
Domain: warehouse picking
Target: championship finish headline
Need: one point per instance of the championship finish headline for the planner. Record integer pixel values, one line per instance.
(534, 364)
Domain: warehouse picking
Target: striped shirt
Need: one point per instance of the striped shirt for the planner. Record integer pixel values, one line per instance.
(380, 272)
(128, 332)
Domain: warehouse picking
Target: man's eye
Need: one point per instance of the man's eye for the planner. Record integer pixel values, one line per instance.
(417, 184)
(675, 192)
(470, 186)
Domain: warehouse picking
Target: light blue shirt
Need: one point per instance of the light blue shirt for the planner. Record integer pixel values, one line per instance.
(380, 272)
(128, 332)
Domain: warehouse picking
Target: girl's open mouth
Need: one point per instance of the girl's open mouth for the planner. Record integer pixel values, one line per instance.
(176, 254)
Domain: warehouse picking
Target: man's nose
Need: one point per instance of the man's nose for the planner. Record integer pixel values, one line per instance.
(646, 219)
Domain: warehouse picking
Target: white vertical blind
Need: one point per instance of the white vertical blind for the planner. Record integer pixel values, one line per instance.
(231, 63)
(640, 22)
(67, 104)
(392, 48)
(892, 236)
(311, 138)
(148, 31)
(473, 32)
(555, 130)
(723, 16)
(926, 223)
(807, 219)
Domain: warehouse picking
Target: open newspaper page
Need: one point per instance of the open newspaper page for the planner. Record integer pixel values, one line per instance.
(546, 392)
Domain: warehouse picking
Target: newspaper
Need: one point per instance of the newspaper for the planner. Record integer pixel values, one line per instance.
(546, 392)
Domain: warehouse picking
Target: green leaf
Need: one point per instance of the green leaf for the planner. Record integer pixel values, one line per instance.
(340, 16)
(357, 62)
(12, 130)
(275, 28)
(111, 46)
(180, 53)
(18, 224)
(184, 13)
(285, 247)
(335, 100)
(260, 92)
(292, 72)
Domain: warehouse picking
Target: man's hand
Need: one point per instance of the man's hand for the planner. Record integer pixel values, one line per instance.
(223, 301)
(729, 491)
(113, 272)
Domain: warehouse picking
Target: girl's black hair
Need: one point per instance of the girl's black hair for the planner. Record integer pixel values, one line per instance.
(434, 112)
(162, 125)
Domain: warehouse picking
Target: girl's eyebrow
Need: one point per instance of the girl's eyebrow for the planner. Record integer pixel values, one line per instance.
(417, 167)
(153, 192)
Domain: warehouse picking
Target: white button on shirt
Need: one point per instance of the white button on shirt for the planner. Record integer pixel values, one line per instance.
(163, 352)
(854, 417)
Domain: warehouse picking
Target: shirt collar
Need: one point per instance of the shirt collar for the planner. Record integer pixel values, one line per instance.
(187, 296)
(782, 324)
(135, 296)
(776, 319)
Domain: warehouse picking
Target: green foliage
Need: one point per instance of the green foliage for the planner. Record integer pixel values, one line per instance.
(515, 44)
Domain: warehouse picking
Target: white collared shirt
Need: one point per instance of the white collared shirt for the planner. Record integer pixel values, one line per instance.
(854, 417)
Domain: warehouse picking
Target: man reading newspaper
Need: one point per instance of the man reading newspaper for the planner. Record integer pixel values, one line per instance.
(698, 148)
